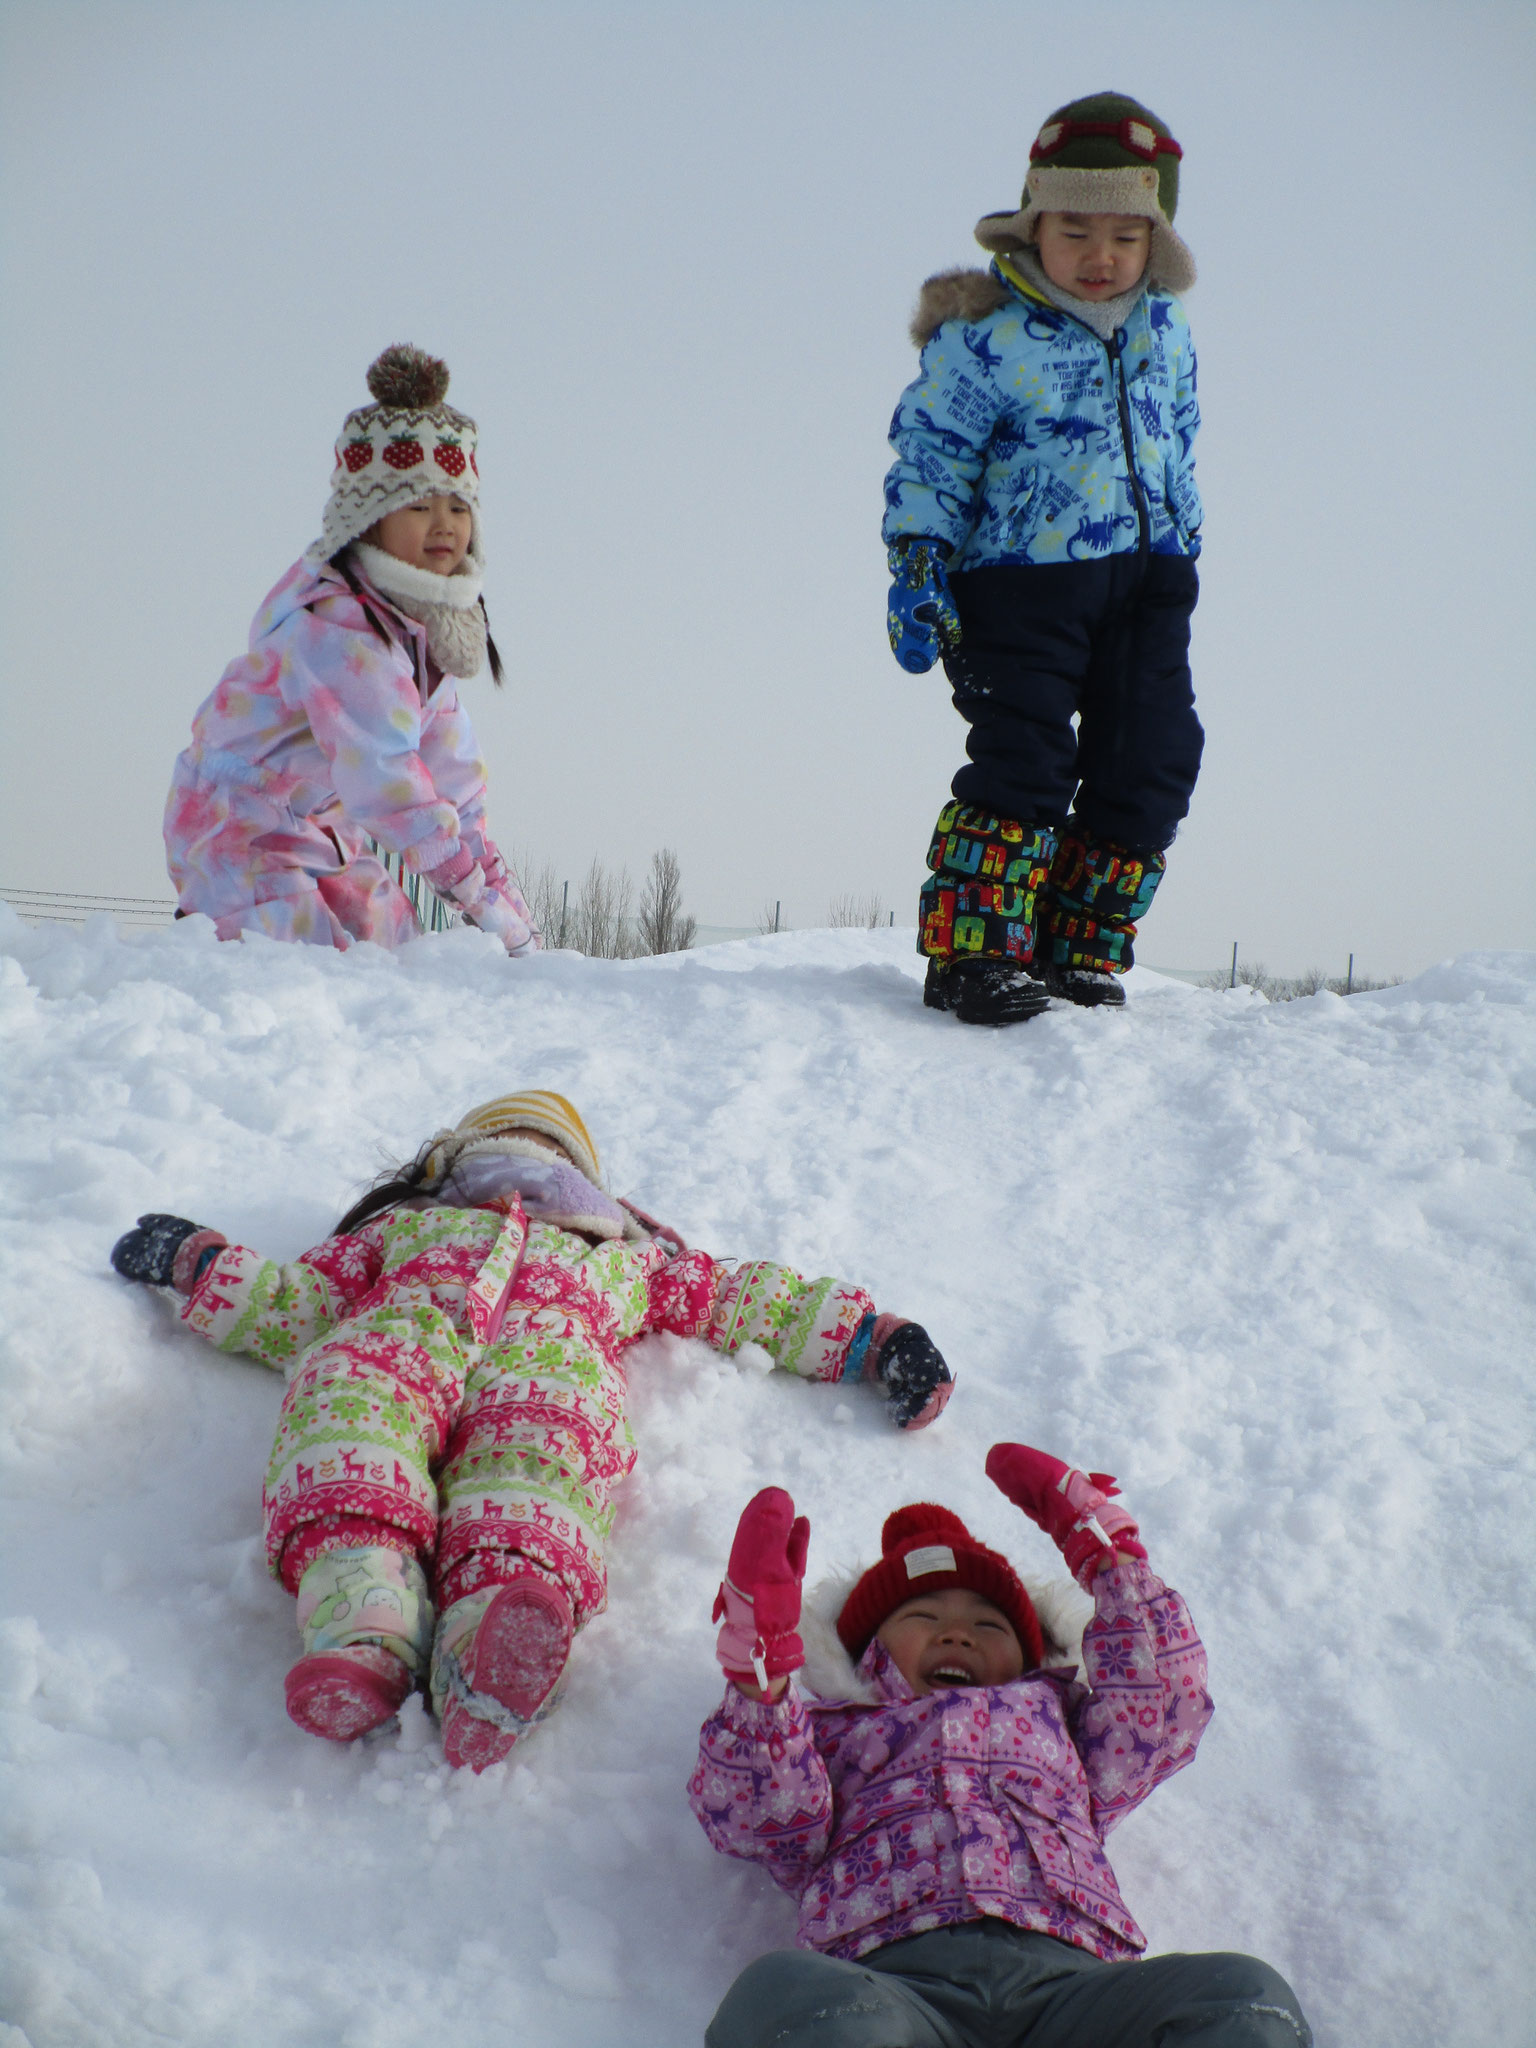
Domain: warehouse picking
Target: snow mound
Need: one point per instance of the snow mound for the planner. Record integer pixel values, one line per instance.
(1269, 1264)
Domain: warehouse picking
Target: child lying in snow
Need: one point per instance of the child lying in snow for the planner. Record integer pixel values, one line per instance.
(940, 1811)
(456, 1404)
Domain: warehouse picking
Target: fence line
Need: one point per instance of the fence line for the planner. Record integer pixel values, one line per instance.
(69, 906)
(74, 906)
(432, 913)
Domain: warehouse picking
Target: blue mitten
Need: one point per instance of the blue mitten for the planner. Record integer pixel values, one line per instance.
(920, 615)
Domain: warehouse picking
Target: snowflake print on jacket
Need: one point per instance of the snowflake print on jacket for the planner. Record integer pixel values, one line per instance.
(893, 1818)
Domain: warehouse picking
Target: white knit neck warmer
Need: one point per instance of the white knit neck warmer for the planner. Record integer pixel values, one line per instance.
(1102, 315)
(448, 606)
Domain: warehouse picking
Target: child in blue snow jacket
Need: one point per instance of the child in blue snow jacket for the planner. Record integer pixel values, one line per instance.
(1043, 524)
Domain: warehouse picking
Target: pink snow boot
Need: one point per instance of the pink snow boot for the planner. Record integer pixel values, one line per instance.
(365, 1619)
(341, 1694)
(497, 1665)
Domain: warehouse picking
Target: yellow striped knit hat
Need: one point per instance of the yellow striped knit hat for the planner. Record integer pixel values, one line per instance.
(495, 1124)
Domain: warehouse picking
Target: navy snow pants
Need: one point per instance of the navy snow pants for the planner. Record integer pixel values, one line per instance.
(986, 1984)
(1106, 642)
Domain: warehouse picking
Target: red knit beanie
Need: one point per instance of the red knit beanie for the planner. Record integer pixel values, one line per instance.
(927, 1549)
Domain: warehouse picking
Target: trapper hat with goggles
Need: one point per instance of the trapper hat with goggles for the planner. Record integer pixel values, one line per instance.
(1103, 154)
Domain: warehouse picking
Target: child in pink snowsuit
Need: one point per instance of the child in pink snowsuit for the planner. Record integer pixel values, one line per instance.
(939, 1812)
(439, 1495)
(342, 723)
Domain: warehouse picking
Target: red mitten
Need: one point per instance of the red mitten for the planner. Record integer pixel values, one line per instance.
(1077, 1510)
(759, 1600)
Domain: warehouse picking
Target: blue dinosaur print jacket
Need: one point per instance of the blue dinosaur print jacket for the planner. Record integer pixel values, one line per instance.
(1026, 438)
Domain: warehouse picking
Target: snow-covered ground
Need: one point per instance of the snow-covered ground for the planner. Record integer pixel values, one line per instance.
(1271, 1265)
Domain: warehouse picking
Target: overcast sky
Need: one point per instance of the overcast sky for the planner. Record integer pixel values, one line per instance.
(669, 253)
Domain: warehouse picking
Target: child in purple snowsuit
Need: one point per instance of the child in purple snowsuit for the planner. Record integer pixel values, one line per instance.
(940, 1812)
(342, 724)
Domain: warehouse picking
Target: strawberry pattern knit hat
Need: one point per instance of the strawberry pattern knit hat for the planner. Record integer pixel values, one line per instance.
(926, 1549)
(408, 445)
(1103, 154)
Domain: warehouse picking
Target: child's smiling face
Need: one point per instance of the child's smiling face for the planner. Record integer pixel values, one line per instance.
(434, 533)
(1093, 255)
(953, 1637)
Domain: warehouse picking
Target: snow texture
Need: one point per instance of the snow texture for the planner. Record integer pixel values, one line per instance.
(1272, 1265)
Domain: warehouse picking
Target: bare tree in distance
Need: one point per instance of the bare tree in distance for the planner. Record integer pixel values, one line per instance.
(663, 927)
(601, 922)
(768, 918)
(862, 913)
(544, 894)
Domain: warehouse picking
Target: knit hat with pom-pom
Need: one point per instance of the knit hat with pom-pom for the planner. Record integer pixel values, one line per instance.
(408, 445)
(926, 1549)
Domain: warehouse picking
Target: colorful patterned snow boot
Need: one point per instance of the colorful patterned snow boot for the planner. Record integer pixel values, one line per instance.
(366, 1623)
(496, 1667)
(1096, 895)
(979, 900)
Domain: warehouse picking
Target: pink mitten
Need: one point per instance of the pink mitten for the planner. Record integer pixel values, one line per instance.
(449, 876)
(759, 1600)
(494, 914)
(462, 881)
(1075, 1509)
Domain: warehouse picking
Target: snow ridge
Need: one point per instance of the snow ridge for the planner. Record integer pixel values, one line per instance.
(1270, 1265)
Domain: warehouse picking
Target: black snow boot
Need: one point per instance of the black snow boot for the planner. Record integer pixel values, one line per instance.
(995, 992)
(1086, 986)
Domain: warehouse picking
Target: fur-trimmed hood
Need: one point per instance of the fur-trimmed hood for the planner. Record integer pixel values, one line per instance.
(962, 294)
(970, 295)
(831, 1674)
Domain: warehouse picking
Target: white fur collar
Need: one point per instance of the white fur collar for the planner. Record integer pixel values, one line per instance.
(448, 607)
(830, 1673)
(422, 586)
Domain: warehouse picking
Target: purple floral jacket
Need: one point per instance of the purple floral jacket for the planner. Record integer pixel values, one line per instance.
(891, 1819)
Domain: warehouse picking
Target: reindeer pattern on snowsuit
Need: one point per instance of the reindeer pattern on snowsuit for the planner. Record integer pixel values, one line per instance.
(457, 1382)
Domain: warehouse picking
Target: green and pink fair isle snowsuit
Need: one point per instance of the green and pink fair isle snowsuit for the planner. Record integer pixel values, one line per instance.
(457, 1386)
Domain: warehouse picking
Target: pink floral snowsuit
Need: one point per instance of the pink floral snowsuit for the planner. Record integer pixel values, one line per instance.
(334, 728)
(457, 1386)
(894, 1819)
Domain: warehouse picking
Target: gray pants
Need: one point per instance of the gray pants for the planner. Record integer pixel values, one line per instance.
(986, 1984)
